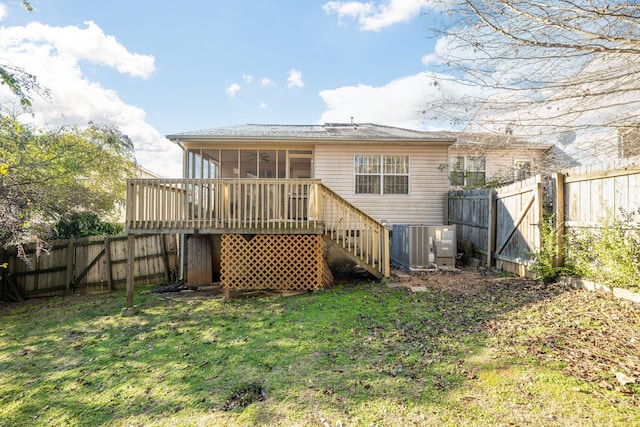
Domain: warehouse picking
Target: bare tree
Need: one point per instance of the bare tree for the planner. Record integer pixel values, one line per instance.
(542, 68)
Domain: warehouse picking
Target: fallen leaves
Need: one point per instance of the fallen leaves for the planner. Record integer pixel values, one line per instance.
(594, 336)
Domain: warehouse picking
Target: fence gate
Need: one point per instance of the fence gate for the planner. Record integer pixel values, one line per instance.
(518, 215)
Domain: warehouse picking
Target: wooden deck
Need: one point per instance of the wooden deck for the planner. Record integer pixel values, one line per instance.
(222, 206)
(257, 206)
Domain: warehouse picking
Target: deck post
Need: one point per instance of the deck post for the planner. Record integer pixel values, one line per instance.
(386, 247)
(130, 309)
(313, 202)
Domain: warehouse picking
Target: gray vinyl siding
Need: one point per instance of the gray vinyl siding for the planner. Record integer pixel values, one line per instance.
(428, 182)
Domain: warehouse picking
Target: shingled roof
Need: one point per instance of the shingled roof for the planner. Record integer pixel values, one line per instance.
(328, 131)
(495, 140)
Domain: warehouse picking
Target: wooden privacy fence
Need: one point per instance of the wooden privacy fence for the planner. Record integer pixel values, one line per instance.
(472, 213)
(503, 225)
(94, 264)
(587, 197)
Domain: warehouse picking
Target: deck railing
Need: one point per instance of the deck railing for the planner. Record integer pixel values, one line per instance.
(210, 204)
(256, 206)
(356, 232)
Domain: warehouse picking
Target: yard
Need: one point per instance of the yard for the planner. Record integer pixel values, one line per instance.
(460, 348)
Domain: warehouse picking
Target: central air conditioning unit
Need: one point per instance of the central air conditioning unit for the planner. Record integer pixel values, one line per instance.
(423, 246)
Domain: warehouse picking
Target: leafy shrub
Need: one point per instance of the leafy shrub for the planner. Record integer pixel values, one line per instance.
(84, 224)
(609, 254)
(545, 265)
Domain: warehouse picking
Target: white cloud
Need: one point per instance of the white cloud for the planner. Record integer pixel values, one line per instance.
(233, 89)
(295, 78)
(353, 9)
(404, 102)
(372, 17)
(266, 82)
(3, 11)
(263, 105)
(247, 77)
(430, 59)
(53, 55)
(90, 44)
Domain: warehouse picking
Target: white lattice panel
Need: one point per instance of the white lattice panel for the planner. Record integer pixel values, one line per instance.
(273, 261)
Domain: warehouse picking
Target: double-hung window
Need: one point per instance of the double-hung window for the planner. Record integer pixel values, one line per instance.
(381, 174)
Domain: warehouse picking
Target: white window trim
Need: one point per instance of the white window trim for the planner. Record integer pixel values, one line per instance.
(382, 175)
(466, 168)
(516, 169)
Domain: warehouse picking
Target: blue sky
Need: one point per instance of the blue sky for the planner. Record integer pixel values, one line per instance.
(160, 67)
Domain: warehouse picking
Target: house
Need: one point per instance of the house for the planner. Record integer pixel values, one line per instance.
(598, 148)
(479, 159)
(260, 203)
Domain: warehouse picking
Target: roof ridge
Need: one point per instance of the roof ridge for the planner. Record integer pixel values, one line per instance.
(328, 131)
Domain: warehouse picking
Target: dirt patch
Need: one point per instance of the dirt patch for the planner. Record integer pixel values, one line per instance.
(467, 281)
(244, 396)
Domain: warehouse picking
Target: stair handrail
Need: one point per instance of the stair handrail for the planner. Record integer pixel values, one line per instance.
(357, 232)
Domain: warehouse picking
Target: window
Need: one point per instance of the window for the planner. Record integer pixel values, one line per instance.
(628, 142)
(200, 164)
(522, 169)
(468, 171)
(381, 174)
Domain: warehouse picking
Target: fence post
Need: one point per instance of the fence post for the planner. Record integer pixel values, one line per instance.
(558, 210)
(131, 269)
(539, 209)
(71, 252)
(491, 228)
(36, 280)
(107, 254)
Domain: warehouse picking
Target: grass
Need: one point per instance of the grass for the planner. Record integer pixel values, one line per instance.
(355, 354)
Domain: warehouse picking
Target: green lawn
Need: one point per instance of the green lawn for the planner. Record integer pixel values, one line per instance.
(357, 354)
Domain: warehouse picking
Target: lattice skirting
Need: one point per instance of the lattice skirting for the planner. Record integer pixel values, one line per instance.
(274, 262)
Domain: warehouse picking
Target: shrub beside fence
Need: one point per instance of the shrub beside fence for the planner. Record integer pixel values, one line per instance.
(92, 264)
